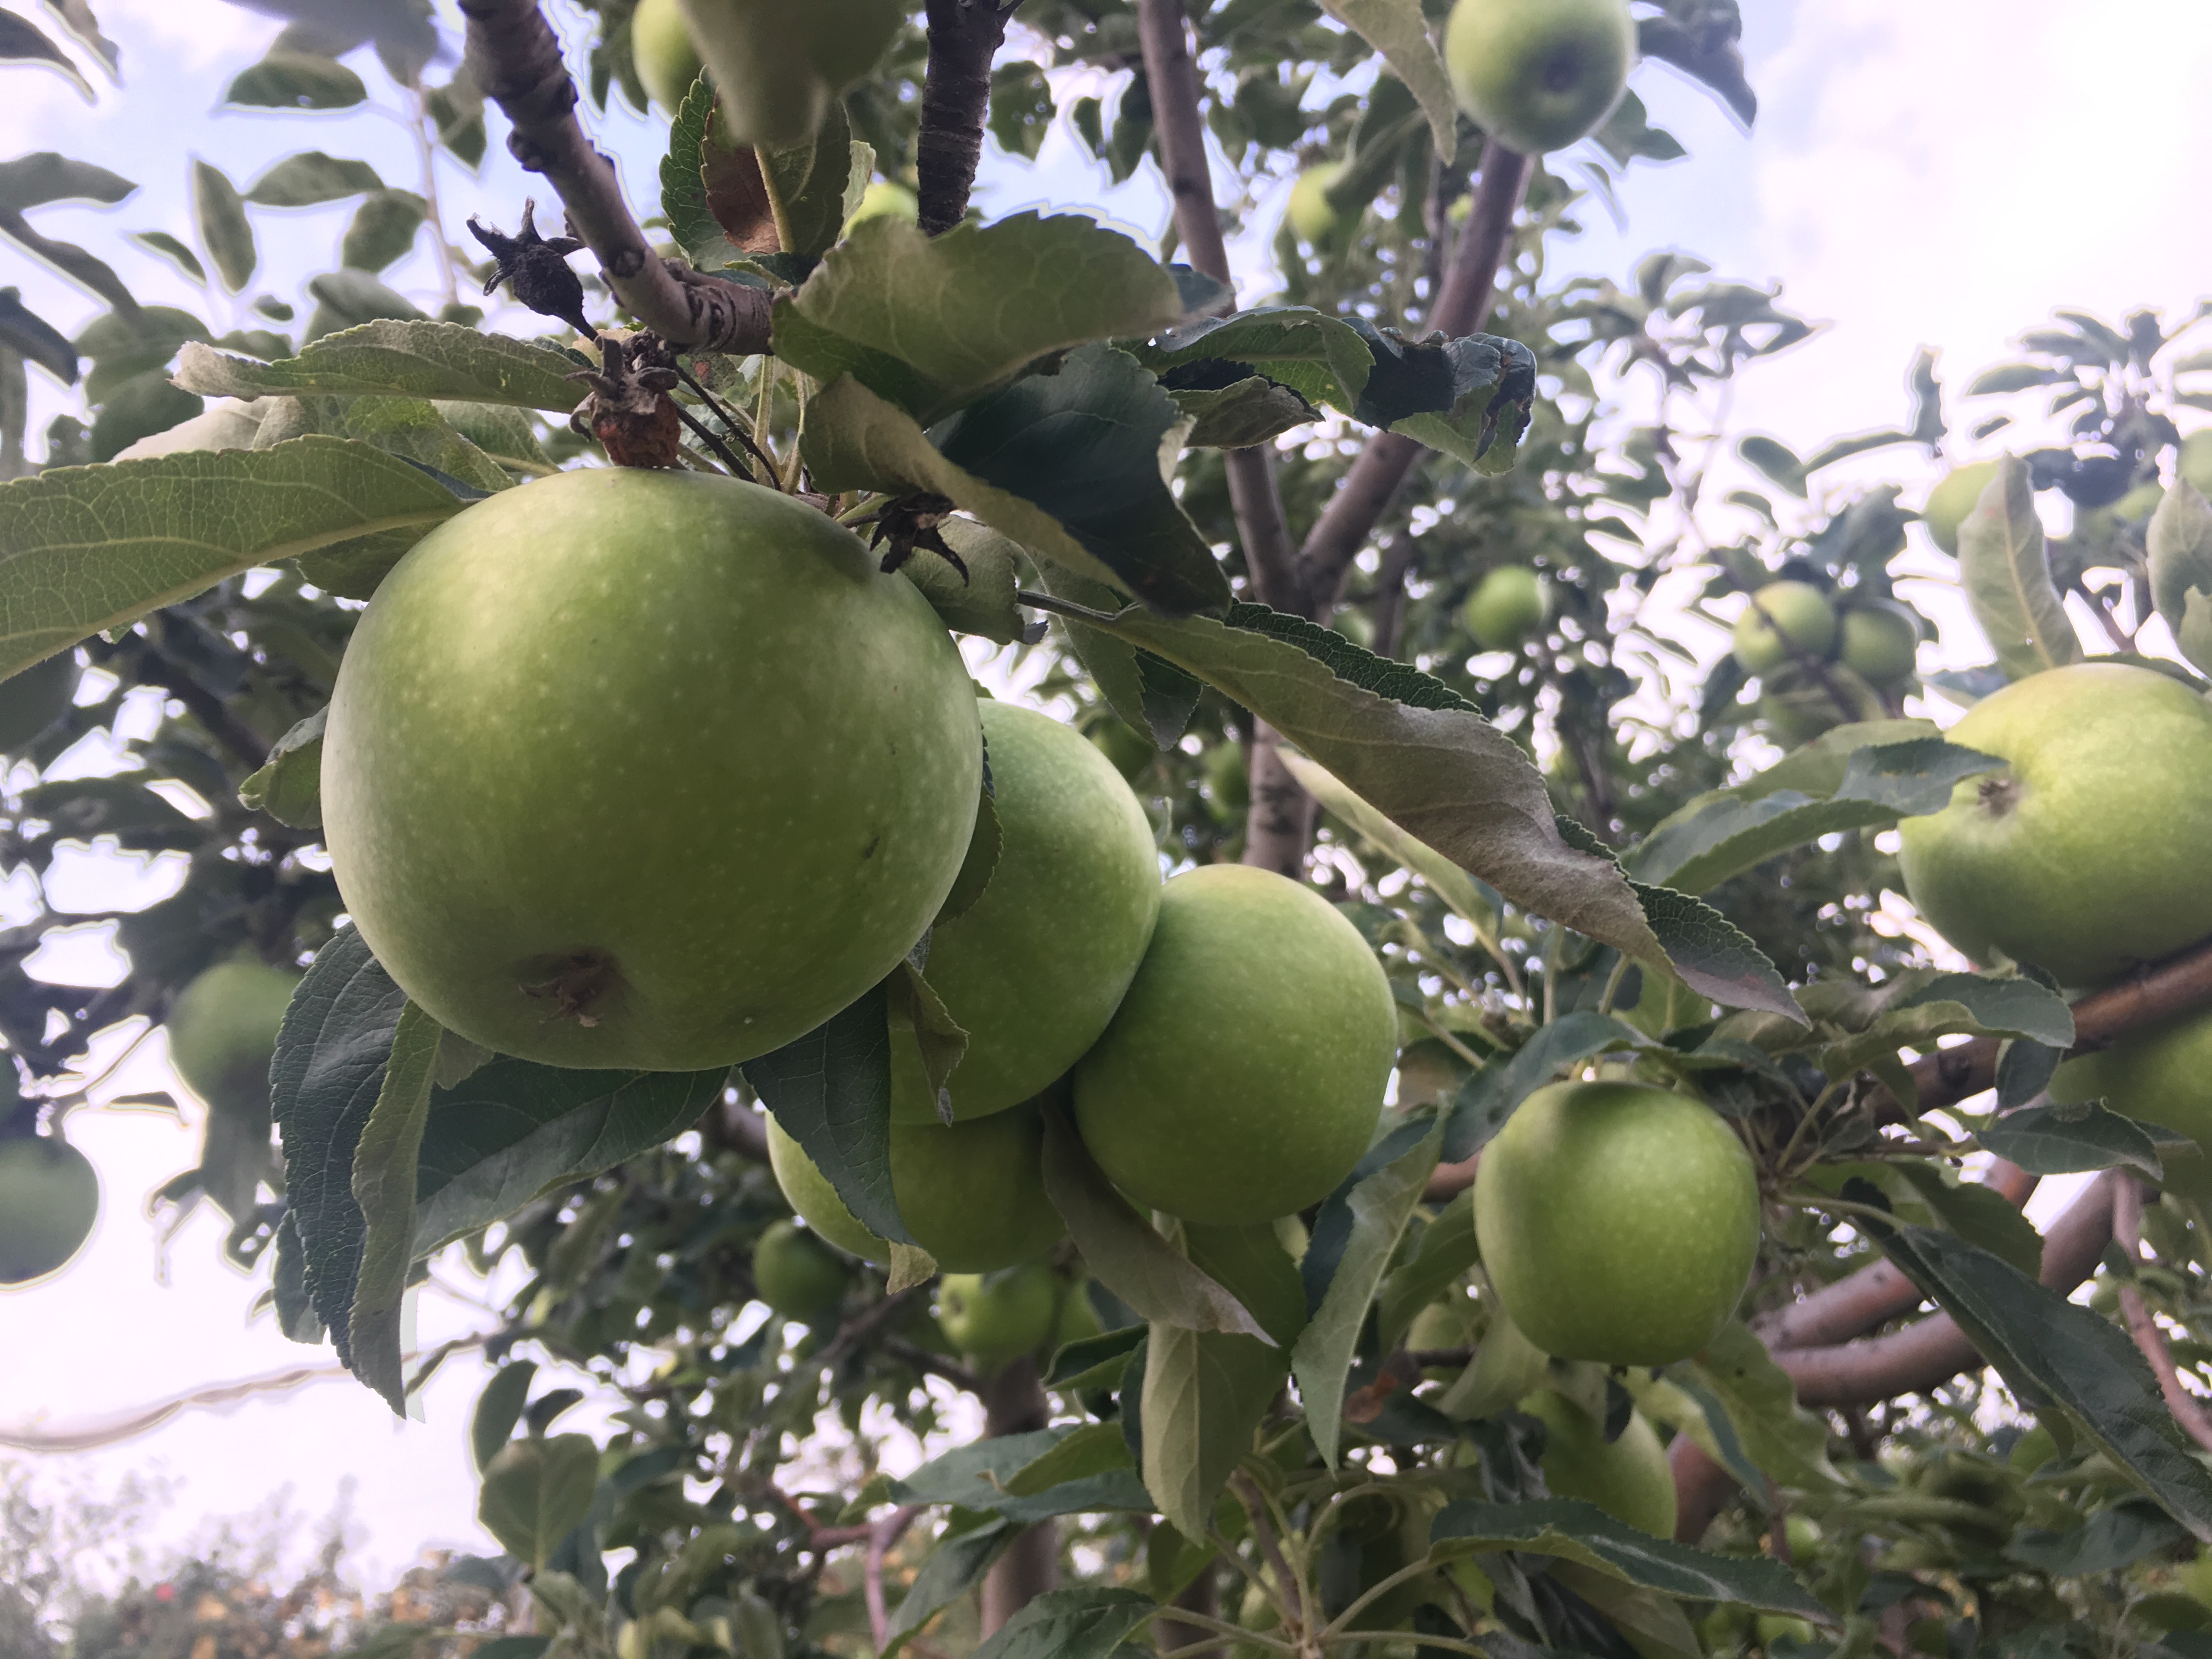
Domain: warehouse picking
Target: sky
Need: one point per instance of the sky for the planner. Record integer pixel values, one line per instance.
(1940, 174)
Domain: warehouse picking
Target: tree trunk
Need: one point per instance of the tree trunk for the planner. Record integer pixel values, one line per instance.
(1014, 1403)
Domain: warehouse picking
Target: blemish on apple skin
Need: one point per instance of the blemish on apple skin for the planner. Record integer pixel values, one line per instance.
(869, 851)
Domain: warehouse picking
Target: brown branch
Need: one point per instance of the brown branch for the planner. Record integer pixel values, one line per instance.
(933, 1365)
(1014, 1403)
(516, 58)
(2127, 1233)
(955, 94)
(881, 1537)
(1172, 78)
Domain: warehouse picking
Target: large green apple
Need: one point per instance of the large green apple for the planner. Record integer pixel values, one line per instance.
(1508, 605)
(996, 1318)
(776, 65)
(1243, 1075)
(660, 45)
(223, 1031)
(1618, 1222)
(49, 1199)
(2161, 1074)
(1035, 967)
(1880, 643)
(972, 1194)
(1539, 74)
(1797, 610)
(653, 769)
(797, 1274)
(1311, 212)
(2075, 856)
(35, 698)
(1958, 494)
(1628, 1478)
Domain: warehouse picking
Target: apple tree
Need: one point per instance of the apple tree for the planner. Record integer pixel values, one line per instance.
(1530, 1178)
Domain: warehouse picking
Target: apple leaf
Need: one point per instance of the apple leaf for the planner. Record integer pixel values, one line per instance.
(1068, 465)
(324, 1082)
(2045, 1347)
(1424, 757)
(683, 186)
(954, 1568)
(85, 548)
(2109, 1540)
(384, 1165)
(310, 179)
(1783, 1440)
(1378, 1207)
(981, 602)
(1949, 1005)
(536, 1492)
(931, 323)
(510, 1129)
(1448, 1249)
(1398, 30)
(1241, 415)
(1468, 398)
(290, 788)
(1323, 358)
(2004, 565)
(1124, 1252)
(1150, 695)
(1572, 1530)
(1089, 1623)
(498, 1410)
(2179, 539)
(982, 1477)
(393, 358)
(1727, 832)
(1446, 878)
(1491, 1095)
(2063, 1139)
(1095, 1362)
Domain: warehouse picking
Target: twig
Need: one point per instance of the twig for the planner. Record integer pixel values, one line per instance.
(884, 1313)
(728, 419)
(935, 1364)
(1293, 1588)
(2127, 1233)
(955, 92)
(881, 1536)
(516, 59)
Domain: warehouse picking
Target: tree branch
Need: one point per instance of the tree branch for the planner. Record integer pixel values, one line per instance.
(1014, 1403)
(956, 95)
(516, 59)
(2127, 1233)
(881, 1536)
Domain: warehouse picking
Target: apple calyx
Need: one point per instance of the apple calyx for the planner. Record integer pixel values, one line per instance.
(575, 985)
(1998, 796)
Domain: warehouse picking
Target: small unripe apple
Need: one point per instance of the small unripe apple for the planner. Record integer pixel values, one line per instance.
(2073, 857)
(1243, 1075)
(49, 1199)
(1539, 74)
(1450, 1322)
(1507, 607)
(1618, 1222)
(996, 1318)
(972, 1194)
(1229, 779)
(1078, 1319)
(1783, 620)
(2194, 464)
(1628, 1478)
(886, 198)
(797, 1274)
(2160, 1074)
(223, 1031)
(1881, 645)
(660, 45)
(1310, 214)
(1958, 494)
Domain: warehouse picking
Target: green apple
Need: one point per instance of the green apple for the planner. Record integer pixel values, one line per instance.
(1618, 1222)
(996, 1318)
(1958, 494)
(1774, 1626)
(1508, 605)
(1881, 644)
(777, 65)
(1783, 620)
(886, 198)
(1241, 1078)
(972, 1194)
(2069, 856)
(1132, 752)
(2160, 1074)
(1539, 74)
(223, 1031)
(1628, 1478)
(1450, 1322)
(599, 792)
(1078, 1319)
(34, 699)
(1310, 213)
(1035, 967)
(49, 1199)
(660, 45)
(1228, 780)
(2194, 466)
(797, 1274)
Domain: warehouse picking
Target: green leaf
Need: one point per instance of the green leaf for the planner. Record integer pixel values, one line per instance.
(1123, 1251)
(383, 229)
(955, 1567)
(930, 323)
(499, 1408)
(2047, 1348)
(140, 407)
(384, 1188)
(1151, 695)
(1089, 1623)
(1491, 1095)
(2179, 539)
(1950, 1005)
(161, 242)
(1706, 50)
(43, 176)
(2063, 1139)
(1444, 879)
(1323, 358)
(23, 42)
(1785, 1441)
(2004, 565)
(1572, 1530)
(225, 231)
(1086, 442)
(1095, 1362)
(831, 1092)
(536, 1492)
(1979, 1214)
(682, 191)
(1424, 757)
(981, 602)
(289, 789)
(311, 178)
(323, 1081)
(297, 80)
(982, 1476)
(83, 551)
(1242, 415)
(1448, 1250)
(1723, 834)
(395, 358)
(1777, 461)
(1381, 1206)
(1400, 32)
(1468, 398)
(1021, 108)
(511, 1130)
(344, 298)
(410, 427)
(2109, 1540)
(806, 185)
